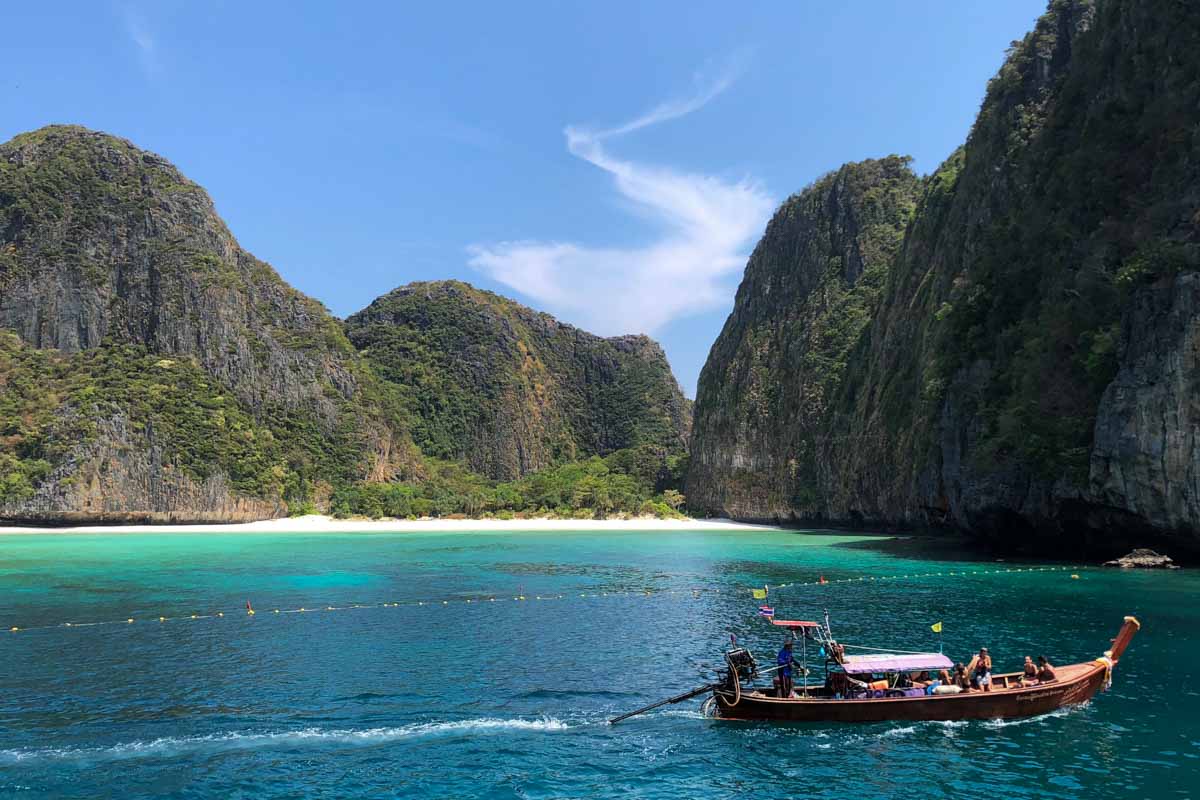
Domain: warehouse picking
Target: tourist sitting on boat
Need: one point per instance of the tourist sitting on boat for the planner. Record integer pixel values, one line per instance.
(927, 683)
(1030, 673)
(785, 662)
(960, 677)
(982, 679)
(1045, 670)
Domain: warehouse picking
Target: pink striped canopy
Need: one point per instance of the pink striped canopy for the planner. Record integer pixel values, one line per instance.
(887, 662)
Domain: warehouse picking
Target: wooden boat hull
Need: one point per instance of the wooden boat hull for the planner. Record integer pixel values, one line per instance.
(1076, 683)
(998, 704)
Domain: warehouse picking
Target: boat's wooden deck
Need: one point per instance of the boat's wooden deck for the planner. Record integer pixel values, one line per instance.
(1010, 681)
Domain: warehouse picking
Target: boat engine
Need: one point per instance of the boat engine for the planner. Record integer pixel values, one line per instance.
(741, 663)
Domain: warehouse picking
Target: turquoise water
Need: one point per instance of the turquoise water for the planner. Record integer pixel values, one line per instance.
(508, 699)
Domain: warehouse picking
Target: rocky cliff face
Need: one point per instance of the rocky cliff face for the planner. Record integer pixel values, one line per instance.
(1145, 463)
(510, 390)
(1029, 372)
(103, 246)
(810, 289)
(121, 475)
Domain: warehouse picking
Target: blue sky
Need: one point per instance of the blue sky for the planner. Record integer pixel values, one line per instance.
(612, 163)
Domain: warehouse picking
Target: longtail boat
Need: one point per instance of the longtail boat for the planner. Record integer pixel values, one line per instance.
(872, 687)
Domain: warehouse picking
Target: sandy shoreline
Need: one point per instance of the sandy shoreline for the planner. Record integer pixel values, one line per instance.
(322, 524)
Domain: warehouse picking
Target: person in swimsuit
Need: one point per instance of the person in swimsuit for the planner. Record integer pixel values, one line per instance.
(960, 677)
(983, 671)
(1030, 673)
(1045, 670)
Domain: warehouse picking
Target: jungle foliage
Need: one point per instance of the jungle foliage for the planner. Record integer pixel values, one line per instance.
(641, 481)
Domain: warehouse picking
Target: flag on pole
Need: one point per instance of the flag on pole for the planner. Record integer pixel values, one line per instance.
(759, 594)
(936, 627)
(766, 611)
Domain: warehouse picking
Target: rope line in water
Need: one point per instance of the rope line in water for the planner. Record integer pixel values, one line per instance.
(519, 598)
(910, 576)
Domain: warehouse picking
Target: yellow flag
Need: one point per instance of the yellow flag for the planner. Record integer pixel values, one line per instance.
(759, 594)
(936, 627)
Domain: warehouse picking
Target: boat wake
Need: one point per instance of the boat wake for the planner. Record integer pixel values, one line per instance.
(898, 732)
(169, 746)
(1065, 711)
(952, 728)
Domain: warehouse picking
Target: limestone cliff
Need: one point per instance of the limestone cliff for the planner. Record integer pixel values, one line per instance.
(1028, 374)
(510, 390)
(810, 289)
(109, 250)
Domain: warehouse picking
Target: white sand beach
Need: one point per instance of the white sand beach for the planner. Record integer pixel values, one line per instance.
(322, 524)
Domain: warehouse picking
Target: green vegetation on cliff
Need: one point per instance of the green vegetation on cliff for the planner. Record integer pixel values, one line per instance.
(112, 253)
(159, 369)
(1095, 146)
(810, 289)
(1075, 189)
(1030, 360)
(54, 405)
(635, 481)
(510, 390)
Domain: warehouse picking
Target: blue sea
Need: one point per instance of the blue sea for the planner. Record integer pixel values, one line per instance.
(415, 671)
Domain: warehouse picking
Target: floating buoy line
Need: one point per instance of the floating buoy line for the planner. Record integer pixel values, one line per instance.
(482, 599)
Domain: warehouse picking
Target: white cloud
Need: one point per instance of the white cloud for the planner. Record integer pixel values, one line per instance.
(143, 40)
(705, 225)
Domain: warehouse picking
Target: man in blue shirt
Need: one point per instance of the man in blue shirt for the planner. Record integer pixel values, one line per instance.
(785, 662)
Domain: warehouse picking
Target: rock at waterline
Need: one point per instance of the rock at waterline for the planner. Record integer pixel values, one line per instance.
(1142, 558)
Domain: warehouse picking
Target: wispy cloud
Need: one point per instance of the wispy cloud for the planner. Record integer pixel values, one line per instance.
(705, 224)
(143, 39)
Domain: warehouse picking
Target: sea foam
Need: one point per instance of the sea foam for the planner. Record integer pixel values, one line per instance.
(247, 740)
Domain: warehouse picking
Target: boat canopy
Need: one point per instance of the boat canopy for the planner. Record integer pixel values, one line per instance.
(791, 623)
(888, 662)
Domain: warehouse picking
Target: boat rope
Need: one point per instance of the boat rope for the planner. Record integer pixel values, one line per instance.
(1106, 662)
(479, 600)
(917, 575)
(737, 691)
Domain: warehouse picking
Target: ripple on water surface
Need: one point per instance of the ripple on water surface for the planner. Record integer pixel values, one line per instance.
(511, 699)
